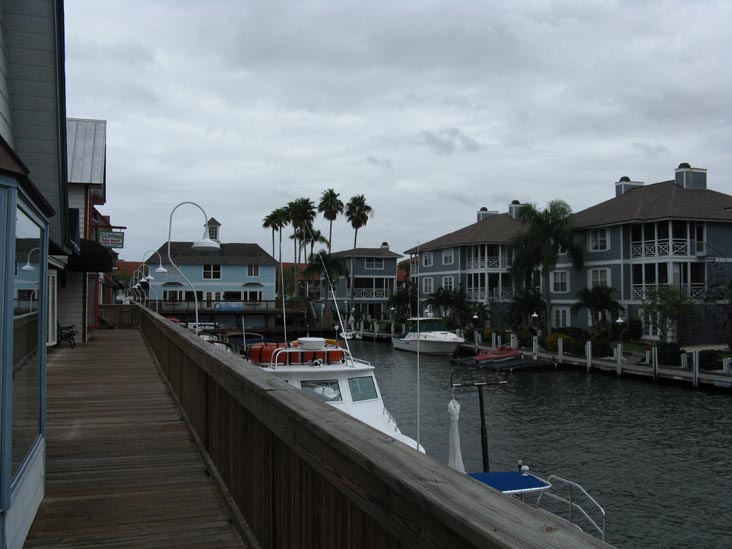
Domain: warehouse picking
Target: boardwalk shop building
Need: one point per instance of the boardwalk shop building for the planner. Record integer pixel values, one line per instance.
(673, 233)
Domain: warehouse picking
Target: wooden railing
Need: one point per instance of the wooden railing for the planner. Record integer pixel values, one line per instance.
(118, 316)
(304, 474)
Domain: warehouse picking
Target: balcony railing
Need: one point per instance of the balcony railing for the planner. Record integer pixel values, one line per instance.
(479, 294)
(370, 293)
(669, 247)
(227, 306)
(496, 262)
(696, 291)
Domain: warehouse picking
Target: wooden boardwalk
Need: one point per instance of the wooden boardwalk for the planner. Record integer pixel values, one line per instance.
(122, 470)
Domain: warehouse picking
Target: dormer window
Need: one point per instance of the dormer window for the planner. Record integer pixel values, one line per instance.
(213, 232)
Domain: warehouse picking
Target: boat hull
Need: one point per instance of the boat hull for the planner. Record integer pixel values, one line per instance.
(426, 346)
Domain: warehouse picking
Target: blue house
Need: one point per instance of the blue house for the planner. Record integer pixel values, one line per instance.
(375, 280)
(673, 233)
(236, 280)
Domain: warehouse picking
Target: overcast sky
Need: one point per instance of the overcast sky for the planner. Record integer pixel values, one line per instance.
(430, 108)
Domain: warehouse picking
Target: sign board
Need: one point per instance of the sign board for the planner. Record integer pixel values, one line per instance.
(112, 239)
(231, 307)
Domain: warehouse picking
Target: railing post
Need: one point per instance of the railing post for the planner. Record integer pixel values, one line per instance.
(684, 360)
(535, 347)
(727, 365)
(499, 340)
(654, 359)
(493, 340)
(619, 353)
(560, 350)
(588, 355)
(695, 367)
(514, 342)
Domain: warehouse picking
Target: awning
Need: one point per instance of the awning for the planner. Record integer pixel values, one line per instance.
(253, 285)
(94, 258)
(171, 284)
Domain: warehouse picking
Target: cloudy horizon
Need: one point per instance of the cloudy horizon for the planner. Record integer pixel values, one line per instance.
(430, 109)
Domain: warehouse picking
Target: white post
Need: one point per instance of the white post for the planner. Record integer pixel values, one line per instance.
(619, 353)
(535, 347)
(695, 366)
(654, 359)
(726, 365)
(514, 341)
(376, 330)
(588, 355)
(493, 340)
(684, 360)
(648, 357)
(499, 340)
(560, 350)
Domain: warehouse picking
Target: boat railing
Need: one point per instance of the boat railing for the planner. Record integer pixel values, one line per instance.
(572, 506)
(391, 418)
(280, 357)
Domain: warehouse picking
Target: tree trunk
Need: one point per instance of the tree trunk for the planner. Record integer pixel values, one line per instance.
(353, 263)
(547, 301)
(330, 235)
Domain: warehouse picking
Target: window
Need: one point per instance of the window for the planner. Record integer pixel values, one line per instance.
(448, 282)
(213, 232)
(448, 257)
(326, 389)
(598, 240)
(362, 388)
(212, 272)
(374, 262)
(561, 317)
(427, 259)
(253, 270)
(599, 277)
(560, 282)
(427, 286)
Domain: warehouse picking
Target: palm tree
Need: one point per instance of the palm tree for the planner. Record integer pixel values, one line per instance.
(330, 206)
(328, 267)
(278, 219)
(313, 237)
(268, 223)
(597, 300)
(357, 213)
(546, 233)
(302, 215)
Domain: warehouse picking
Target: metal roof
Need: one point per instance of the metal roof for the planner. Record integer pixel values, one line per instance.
(366, 252)
(228, 254)
(86, 142)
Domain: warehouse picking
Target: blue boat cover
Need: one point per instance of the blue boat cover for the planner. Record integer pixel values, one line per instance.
(512, 482)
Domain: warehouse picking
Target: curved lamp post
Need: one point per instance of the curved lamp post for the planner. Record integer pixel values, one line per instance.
(150, 277)
(204, 244)
(28, 266)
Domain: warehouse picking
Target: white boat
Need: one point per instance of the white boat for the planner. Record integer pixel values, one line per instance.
(324, 369)
(350, 334)
(428, 335)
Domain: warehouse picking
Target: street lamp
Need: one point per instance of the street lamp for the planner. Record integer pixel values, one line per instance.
(28, 266)
(392, 309)
(150, 277)
(619, 322)
(204, 244)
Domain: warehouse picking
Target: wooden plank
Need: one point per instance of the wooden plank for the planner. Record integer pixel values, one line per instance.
(122, 470)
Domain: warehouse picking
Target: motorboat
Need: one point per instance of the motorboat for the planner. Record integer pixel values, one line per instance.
(350, 334)
(428, 335)
(329, 372)
(499, 354)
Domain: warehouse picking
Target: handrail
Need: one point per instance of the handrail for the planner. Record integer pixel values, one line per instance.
(278, 448)
(572, 505)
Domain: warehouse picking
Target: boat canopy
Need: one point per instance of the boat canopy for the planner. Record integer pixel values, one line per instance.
(427, 325)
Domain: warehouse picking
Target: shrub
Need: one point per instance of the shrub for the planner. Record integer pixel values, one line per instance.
(601, 348)
(488, 333)
(552, 344)
(571, 331)
(635, 329)
(669, 354)
(576, 347)
(710, 360)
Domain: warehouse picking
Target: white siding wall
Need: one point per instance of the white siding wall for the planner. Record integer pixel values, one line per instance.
(70, 300)
(76, 201)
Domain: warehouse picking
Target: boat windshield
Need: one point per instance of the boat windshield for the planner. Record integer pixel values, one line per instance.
(362, 388)
(327, 389)
(428, 325)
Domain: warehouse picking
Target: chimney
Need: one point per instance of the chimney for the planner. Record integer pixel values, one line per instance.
(514, 207)
(624, 185)
(483, 213)
(691, 178)
(385, 246)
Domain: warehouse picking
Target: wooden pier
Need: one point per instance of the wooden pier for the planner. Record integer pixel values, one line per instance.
(121, 469)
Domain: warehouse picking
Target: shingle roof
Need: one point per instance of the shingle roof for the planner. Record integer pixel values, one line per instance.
(86, 142)
(367, 252)
(229, 254)
(496, 229)
(664, 200)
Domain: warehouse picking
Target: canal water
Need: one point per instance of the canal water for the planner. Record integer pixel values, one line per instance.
(656, 457)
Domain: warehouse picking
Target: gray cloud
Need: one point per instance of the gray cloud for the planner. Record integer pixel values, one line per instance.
(380, 162)
(448, 141)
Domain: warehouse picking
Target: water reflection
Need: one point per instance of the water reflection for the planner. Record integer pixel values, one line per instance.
(655, 456)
